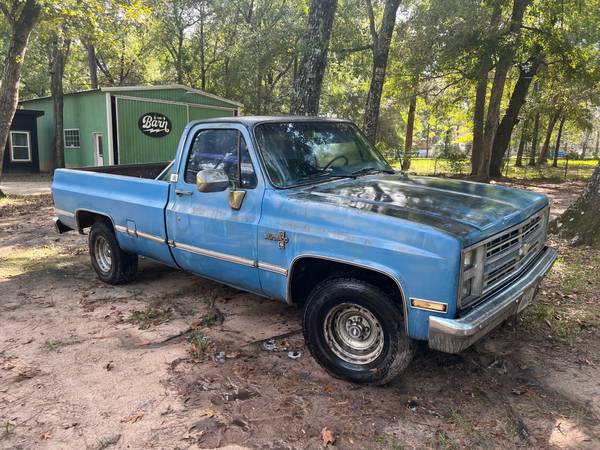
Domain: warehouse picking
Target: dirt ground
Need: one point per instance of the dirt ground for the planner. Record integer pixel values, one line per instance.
(174, 361)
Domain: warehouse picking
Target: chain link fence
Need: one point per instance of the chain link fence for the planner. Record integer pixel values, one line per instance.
(566, 169)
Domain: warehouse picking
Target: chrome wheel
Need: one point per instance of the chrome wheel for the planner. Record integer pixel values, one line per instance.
(102, 254)
(353, 333)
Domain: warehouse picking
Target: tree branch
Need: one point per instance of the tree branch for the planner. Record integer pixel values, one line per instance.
(353, 49)
(374, 35)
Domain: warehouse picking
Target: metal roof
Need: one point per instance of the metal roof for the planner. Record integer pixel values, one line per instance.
(143, 88)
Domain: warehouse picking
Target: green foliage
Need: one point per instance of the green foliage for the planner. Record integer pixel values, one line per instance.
(248, 51)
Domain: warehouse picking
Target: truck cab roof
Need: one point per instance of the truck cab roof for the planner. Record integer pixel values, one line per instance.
(250, 121)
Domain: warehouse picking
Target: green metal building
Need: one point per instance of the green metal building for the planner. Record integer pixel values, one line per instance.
(124, 125)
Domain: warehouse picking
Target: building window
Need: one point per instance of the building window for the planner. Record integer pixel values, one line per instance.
(20, 148)
(72, 138)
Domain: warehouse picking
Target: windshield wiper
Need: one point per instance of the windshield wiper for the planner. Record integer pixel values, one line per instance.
(368, 170)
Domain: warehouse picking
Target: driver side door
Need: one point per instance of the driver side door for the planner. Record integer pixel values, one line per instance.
(208, 236)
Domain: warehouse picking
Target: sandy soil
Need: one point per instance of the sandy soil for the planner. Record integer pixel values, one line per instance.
(149, 365)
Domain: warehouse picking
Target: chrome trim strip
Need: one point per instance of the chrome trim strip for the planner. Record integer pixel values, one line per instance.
(216, 255)
(205, 252)
(62, 212)
(150, 237)
(455, 335)
(140, 234)
(273, 268)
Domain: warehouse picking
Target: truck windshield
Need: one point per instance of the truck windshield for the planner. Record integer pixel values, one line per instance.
(297, 153)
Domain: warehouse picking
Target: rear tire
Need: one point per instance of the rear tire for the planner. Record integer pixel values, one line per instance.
(111, 264)
(356, 331)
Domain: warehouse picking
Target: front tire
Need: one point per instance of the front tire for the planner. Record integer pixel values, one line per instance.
(356, 331)
(112, 264)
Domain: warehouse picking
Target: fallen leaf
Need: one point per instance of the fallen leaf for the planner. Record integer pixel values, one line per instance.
(328, 388)
(519, 390)
(133, 418)
(45, 435)
(327, 437)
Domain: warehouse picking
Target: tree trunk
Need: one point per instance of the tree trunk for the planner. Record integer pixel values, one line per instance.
(586, 138)
(527, 72)
(202, 55)
(581, 221)
(60, 52)
(522, 142)
(313, 47)
(21, 23)
(534, 139)
(506, 55)
(558, 137)
(179, 59)
(481, 92)
(410, 124)
(597, 143)
(381, 48)
(427, 139)
(479, 118)
(93, 65)
(551, 123)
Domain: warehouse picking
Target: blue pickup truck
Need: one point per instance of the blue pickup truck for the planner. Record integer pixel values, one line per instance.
(306, 211)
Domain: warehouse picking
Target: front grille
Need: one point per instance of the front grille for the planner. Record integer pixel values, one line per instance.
(511, 250)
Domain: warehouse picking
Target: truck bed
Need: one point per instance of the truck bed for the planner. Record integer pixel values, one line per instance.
(127, 196)
(148, 170)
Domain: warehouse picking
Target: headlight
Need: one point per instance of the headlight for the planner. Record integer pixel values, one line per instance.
(466, 288)
(471, 284)
(468, 259)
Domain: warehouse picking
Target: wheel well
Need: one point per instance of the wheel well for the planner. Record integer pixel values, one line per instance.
(308, 272)
(86, 219)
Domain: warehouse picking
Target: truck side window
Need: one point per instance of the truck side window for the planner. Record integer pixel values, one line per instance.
(218, 149)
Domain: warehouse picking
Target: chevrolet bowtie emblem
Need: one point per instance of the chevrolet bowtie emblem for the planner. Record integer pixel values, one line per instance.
(524, 250)
(280, 238)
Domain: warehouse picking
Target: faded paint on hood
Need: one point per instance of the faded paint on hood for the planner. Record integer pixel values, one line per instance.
(470, 211)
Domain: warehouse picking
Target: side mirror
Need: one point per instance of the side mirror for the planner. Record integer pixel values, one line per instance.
(212, 180)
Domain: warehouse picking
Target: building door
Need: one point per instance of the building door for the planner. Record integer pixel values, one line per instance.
(99, 149)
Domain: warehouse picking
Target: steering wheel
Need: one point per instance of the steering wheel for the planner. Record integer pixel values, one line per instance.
(344, 157)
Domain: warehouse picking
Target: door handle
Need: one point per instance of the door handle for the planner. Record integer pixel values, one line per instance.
(182, 192)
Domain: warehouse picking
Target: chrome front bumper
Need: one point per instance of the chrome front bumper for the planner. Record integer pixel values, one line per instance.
(455, 335)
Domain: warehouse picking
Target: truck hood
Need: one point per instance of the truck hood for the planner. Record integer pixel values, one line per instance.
(470, 211)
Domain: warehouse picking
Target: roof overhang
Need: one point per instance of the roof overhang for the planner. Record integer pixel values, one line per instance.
(169, 86)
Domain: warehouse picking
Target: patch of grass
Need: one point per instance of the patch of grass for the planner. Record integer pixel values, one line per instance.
(576, 170)
(14, 203)
(566, 305)
(199, 343)
(152, 315)
(389, 442)
(32, 260)
(53, 346)
(11, 200)
(212, 317)
(582, 415)
(466, 427)
(442, 441)
(578, 271)
(7, 428)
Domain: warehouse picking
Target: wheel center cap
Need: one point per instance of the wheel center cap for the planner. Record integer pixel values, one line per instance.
(357, 329)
